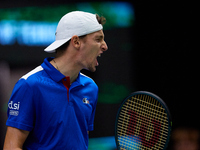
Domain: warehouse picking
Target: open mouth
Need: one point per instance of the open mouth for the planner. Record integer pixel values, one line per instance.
(97, 63)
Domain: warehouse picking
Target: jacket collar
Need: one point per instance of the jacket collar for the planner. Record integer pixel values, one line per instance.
(56, 75)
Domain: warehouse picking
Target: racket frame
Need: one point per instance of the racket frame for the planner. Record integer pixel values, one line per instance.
(155, 97)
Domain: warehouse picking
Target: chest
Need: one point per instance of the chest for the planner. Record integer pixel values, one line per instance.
(58, 102)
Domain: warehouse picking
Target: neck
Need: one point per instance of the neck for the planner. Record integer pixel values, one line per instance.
(66, 67)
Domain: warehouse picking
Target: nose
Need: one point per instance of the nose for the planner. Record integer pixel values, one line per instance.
(104, 46)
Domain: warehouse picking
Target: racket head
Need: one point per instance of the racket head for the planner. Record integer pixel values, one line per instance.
(143, 122)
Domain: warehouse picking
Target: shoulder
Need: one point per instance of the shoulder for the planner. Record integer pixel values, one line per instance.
(32, 77)
(89, 83)
(33, 72)
(87, 80)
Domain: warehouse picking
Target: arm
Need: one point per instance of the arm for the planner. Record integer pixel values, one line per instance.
(15, 138)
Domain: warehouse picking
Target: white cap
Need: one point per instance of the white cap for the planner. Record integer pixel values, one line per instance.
(74, 23)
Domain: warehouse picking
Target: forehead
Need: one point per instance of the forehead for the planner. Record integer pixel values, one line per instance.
(97, 34)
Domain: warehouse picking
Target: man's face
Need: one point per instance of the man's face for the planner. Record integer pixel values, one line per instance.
(92, 46)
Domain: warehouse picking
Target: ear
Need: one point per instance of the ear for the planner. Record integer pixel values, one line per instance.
(76, 42)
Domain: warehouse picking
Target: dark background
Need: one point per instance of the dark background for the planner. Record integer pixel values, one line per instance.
(164, 59)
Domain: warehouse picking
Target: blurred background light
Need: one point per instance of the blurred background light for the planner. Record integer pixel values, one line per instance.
(33, 26)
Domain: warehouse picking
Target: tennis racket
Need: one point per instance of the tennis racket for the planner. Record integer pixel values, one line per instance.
(143, 123)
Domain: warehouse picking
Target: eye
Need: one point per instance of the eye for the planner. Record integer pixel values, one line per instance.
(98, 40)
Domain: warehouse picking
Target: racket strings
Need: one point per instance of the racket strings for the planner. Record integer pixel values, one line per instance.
(131, 126)
(141, 129)
(148, 129)
(148, 135)
(145, 112)
(146, 104)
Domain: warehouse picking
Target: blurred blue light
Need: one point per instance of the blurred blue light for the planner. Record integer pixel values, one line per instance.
(7, 32)
(42, 33)
(29, 33)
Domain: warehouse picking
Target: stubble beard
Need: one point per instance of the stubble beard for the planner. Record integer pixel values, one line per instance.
(91, 68)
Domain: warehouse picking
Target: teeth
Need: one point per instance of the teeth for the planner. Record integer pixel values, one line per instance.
(99, 55)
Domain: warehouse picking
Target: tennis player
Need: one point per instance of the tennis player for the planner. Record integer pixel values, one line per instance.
(53, 106)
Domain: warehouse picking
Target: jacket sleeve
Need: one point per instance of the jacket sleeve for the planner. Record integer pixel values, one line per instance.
(20, 107)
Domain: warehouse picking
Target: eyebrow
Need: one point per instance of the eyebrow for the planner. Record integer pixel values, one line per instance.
(99, 36)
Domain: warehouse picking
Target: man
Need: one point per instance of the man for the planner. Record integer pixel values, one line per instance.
(53, 106)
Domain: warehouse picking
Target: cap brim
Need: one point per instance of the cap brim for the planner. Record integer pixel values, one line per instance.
(56, 44)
